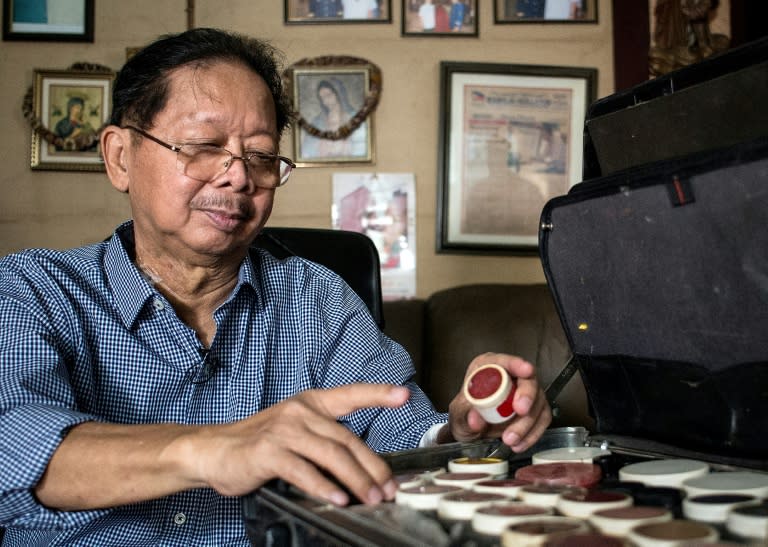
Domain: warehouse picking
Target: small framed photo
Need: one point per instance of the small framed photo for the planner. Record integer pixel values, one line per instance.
(440, 18)
(545, 11)
(510, 139)
(41, 21)
(334, 98)
(303, 12)
(72, 106)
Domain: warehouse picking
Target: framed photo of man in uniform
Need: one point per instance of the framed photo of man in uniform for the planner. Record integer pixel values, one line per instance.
(545, 11)
(337, 11)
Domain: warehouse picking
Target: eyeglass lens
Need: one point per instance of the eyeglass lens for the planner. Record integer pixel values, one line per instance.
(204, 162)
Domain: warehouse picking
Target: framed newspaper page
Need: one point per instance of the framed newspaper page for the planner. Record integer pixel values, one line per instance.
(510, 139)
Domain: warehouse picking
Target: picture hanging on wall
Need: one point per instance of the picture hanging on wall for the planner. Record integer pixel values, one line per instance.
(545, 11)
(335, 98)
(67, 113)
(46, 21)
(319, 12)
(510, 139)
(442, 18)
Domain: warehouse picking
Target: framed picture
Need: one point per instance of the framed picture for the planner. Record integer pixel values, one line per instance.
(545, 11)
(335, 98)
(70, 108)
(303, 12)
(40, 20)
(510, 139)
(439, 18)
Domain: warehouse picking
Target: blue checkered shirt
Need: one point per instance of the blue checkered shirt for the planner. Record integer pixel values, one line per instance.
(84, 336)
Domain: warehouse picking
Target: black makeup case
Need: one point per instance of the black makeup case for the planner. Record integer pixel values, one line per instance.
(658, 260)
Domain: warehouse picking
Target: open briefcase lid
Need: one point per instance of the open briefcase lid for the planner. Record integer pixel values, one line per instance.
(661, 282)
(659, 272)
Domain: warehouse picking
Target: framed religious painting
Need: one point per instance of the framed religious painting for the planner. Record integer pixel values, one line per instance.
(46, 21)
(510, 139)
(544, 11)
(308, 12)
(440, 18)
(69, 109)
(335, 98)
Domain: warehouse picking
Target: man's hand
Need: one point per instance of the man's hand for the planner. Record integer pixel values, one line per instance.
(100, 465)
(532, 412)
(296, 439)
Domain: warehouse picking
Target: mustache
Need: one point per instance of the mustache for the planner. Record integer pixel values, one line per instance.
(225, 203)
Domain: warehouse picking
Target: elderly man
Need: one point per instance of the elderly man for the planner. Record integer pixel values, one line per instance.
(151, 379)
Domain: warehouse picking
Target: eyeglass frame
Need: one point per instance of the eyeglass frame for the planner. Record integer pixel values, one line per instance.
(246, 159)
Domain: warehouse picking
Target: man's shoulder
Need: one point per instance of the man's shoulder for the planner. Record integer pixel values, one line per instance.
(35, 262)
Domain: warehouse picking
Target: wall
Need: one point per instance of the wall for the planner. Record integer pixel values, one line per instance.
(63, 209)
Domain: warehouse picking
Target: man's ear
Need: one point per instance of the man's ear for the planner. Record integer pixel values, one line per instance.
(115, 149)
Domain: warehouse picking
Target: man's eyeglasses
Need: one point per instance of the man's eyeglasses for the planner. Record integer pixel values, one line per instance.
(206, 162)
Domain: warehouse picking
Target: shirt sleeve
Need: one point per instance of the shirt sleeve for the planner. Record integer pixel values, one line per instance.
(357, 351)
(37, 406)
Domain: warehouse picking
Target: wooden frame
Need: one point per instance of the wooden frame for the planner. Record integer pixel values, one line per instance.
(70, 108)
(62, 21)
(335, 97)
(324, 12)
(510, 139)
(448, 18)
(541, 11)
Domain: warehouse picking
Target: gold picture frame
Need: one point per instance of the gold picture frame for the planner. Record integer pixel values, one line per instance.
(334, 98)
(69, 109)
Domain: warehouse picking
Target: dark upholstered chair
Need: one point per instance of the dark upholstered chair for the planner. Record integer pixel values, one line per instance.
(350, 254)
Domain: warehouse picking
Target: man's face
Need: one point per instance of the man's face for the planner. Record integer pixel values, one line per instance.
(224, 104)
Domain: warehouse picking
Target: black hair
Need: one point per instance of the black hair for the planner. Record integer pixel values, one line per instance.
(141, 87)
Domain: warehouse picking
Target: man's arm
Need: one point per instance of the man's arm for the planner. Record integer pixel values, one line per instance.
(104, 465)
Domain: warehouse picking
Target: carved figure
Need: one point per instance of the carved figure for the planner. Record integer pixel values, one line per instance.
(682, 35)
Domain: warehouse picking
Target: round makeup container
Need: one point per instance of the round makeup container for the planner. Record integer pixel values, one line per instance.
(464, 480)
(492, 519)
(541, 530)
(567, 473)
(618, 522)
(665, 472)
(424, 497)
(583, 504)
(588, 539)
(672, 533)
(749, 522)
(581, 454)
(714, 508)
(495, 466)
(490, 390)
(507, 487)
(546, 495)
(462, 505)
(733, 482)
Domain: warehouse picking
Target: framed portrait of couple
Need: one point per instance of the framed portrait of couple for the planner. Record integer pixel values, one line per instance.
(335, 98)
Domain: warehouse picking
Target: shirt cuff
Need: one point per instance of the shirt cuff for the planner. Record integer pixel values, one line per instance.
(430, 436)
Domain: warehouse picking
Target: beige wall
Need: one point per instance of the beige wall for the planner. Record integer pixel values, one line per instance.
(64, 209)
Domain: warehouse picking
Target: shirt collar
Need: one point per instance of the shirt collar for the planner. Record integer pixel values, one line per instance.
(132, 291)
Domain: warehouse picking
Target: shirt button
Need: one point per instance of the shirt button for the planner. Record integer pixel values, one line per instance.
(179, 518)
(158, 304)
